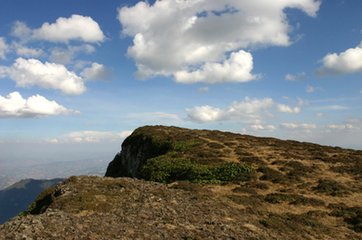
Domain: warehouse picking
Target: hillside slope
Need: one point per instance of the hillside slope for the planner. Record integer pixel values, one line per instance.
(215, 185)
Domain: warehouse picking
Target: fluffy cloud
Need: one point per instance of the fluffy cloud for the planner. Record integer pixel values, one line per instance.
(95, 72)
(173, 36)
(246, 110)
(205, 113)
(287, 109)
(32, 72)
(3, 48)
(347, 62)
(14, 105)
(76, 27)
(235, 69)
(91, 136)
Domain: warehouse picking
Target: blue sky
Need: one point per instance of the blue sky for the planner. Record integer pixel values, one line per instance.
(78, 76)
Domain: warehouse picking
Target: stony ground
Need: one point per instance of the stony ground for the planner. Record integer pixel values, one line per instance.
(299, 191)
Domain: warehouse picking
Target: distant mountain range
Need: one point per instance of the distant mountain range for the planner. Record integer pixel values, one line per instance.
(52, 170)
(17, 197)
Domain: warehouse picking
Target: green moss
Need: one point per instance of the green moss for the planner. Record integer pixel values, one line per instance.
(167, 170)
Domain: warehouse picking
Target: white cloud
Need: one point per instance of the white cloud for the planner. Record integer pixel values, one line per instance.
(95, 72)
(76, 27)
(295, 77)
(25, 51)
(14, 105)
(3, 48)
(347, 62)
(176, 36)
(287, 109)
(235, 69)
(340, 126)
(205, 114)
(92, 136)
(298, 126)
(261, 127)
(246, 110)
(66, 55)
(32, 72)
(310, 89)
(21, 31)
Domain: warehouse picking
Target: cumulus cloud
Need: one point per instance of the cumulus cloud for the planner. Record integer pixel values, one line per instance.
(14, 105)
(32, 72)
(76, 27)
(193, 37)
(91, 136)
(3, 48)
(347, 62)
(287, 109)
(246, 110)
(235, 69)
(95, 72)
(205, 114)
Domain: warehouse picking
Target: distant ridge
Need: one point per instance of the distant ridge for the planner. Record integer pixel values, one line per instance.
(17, 197)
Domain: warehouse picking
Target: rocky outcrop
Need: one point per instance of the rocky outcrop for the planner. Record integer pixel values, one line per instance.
(136, 150)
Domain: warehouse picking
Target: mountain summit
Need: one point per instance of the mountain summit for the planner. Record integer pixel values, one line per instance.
(201, 184)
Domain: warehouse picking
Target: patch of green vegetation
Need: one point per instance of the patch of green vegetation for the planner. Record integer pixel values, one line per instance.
(184, 145)
(166, 170)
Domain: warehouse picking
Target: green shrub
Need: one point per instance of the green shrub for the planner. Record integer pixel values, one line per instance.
(161, 169)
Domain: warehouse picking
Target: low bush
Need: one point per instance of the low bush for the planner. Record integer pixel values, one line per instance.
(161, 169)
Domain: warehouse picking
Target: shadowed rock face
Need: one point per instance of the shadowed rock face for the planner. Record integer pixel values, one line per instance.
(232, 187)
(136, 149)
